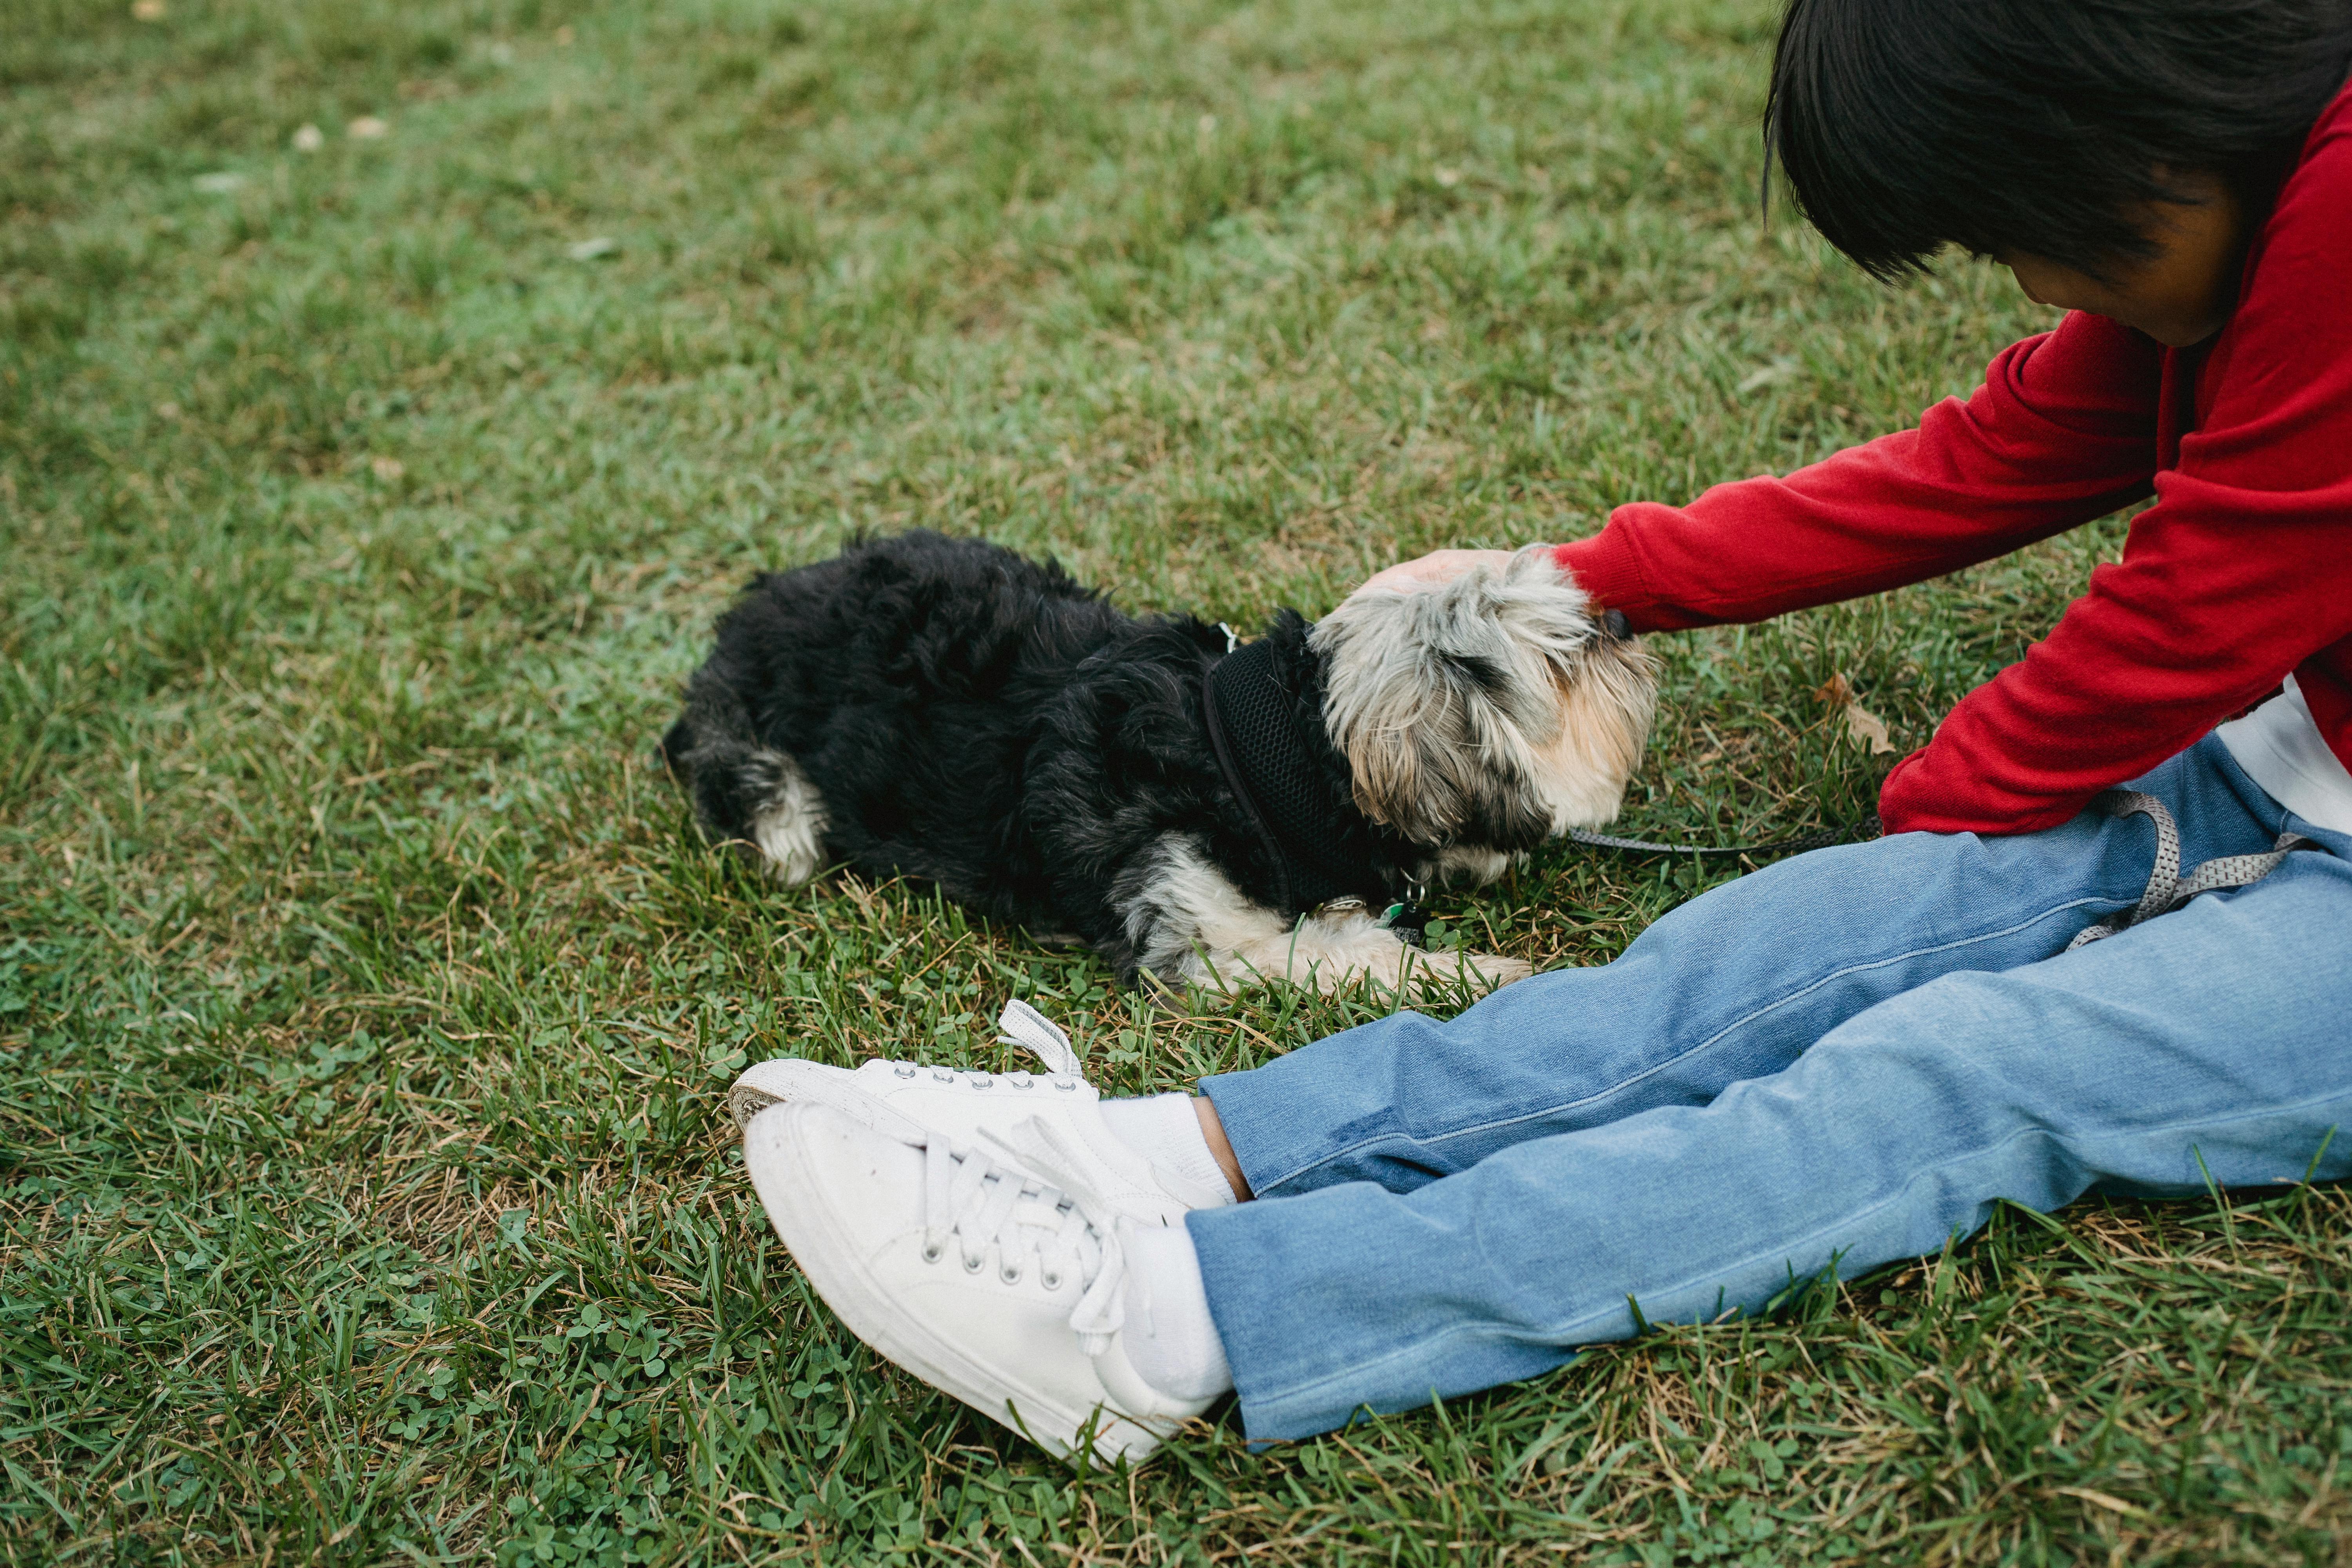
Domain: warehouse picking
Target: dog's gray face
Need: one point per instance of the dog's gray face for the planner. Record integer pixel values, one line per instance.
(1487, 713)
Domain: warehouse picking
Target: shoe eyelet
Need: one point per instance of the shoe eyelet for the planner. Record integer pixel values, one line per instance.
(974, 1265)
(942, 1075)
(1010, 1276)
(981, 1081)
(1020, 1080)
(933, 1254)
(903, 1070)
(1065, 1085)
(1050, 1281)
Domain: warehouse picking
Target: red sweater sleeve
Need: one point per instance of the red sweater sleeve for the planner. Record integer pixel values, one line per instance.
(2062, 431)
(2240, 572)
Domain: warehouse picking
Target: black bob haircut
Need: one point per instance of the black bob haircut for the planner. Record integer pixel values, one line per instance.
(2040, 127)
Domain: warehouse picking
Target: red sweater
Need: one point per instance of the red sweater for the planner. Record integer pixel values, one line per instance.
(2239, 574)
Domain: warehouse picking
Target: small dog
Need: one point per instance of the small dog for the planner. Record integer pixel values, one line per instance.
(1194, 809)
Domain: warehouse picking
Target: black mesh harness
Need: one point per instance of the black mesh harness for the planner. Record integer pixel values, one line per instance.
(1256, 727)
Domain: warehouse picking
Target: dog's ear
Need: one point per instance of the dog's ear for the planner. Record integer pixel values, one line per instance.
(1493, 709)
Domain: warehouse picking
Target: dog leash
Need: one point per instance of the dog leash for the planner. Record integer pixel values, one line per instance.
(1867, 828)
(2168, 889)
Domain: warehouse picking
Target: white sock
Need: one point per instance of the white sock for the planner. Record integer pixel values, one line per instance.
(1169, 1338)
(1165, 1130)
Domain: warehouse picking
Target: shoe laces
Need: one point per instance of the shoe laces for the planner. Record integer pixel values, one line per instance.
(981, 1204)
(1022, 1025)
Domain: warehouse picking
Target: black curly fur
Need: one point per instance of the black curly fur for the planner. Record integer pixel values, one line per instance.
(986, 723)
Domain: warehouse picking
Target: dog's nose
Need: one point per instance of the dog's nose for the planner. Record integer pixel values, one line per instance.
(1615, 626)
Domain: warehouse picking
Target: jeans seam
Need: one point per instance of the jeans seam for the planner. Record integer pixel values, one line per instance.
(1707, 1043)
(1562, 1330)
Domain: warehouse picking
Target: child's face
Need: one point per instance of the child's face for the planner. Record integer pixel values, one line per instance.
(2181, 295)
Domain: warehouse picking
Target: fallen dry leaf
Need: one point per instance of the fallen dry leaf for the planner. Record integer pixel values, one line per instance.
(309, 139)
(367, 128)
(386, 469)
(1868, 730)
(147, 10)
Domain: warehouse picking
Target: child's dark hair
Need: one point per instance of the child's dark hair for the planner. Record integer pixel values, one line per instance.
(2041, 127)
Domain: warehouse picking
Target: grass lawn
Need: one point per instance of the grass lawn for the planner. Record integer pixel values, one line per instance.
(366, 996)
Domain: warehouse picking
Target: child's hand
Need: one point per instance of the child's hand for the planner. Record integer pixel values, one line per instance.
(1439, 566)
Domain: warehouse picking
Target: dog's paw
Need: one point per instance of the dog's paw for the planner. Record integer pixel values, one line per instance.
(1500, 971)
(1189, 987)
(1482, 972)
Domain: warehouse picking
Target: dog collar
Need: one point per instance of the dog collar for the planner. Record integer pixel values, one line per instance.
(1257, 730)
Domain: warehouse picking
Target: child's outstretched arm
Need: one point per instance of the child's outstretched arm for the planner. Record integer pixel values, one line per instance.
(2062, 431)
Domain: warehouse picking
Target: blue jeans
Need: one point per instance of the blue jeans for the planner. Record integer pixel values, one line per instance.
(1843, 1060)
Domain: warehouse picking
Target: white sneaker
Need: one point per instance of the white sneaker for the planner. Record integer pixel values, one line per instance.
(1051, 1124)
(978, 1279)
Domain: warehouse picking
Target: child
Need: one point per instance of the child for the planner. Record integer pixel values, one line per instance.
(1850, 1056)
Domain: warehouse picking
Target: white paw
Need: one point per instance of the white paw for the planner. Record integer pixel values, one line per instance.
(1497, 970)
(1481, 972)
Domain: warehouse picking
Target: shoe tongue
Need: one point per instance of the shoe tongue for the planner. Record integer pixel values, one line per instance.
(1024, 1025)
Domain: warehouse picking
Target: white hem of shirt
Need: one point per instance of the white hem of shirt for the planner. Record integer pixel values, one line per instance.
(2281, 748)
